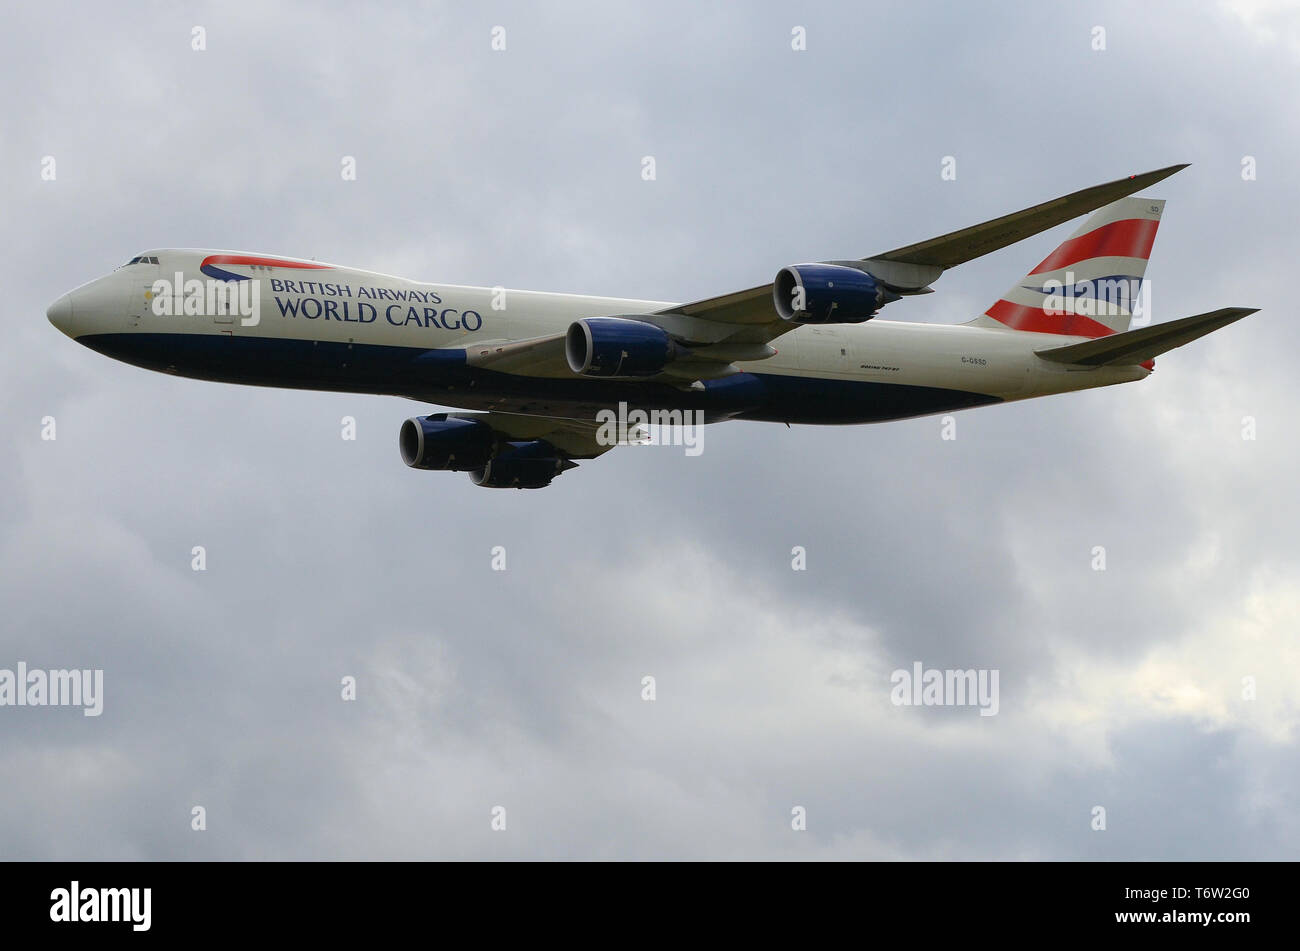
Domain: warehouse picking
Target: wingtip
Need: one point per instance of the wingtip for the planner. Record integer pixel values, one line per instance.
(1233, 314)
(1160, 174)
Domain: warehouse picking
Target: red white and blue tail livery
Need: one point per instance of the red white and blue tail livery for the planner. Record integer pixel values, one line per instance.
(1095, 276)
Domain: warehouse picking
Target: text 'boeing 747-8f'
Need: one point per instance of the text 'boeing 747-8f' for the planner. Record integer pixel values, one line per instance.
(543, 373)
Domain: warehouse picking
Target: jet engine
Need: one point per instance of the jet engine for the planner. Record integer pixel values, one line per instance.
(522, 465)
(440, 442)
(617, 347)
(828, 294)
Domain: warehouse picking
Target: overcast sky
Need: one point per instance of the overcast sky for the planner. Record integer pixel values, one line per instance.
(522, 688)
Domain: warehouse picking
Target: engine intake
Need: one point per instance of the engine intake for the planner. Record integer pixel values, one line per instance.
(440, 442)
(617, 347)
(828, 294)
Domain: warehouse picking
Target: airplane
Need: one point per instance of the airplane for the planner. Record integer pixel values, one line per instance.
(541, 372)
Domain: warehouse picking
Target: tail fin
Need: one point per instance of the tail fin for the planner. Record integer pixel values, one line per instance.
(1087, 286)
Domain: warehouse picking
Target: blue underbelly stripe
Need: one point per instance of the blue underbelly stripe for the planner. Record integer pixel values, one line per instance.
(443, 377)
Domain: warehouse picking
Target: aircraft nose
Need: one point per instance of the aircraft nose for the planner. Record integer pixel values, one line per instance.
(60, 314)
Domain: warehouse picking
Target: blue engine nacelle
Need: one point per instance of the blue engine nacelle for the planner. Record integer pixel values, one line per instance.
(522, 465)
(439, 442)
(828, 294)
(617, 346)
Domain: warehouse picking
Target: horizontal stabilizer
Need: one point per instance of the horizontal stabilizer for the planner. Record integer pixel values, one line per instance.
(1138, 346)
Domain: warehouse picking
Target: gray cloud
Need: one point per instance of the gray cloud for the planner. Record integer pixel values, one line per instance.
(477, 688)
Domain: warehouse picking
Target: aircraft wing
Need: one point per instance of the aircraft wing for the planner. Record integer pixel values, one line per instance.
(738, 327)
(576, 438)
(958, 247)
(536, 356)
(919, 264)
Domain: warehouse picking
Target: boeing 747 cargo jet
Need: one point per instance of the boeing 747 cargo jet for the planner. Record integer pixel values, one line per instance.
(544, 371)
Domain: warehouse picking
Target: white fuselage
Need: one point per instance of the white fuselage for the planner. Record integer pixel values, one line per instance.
(327, 327)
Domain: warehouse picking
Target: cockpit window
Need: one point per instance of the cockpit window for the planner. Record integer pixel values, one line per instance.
(141, 259)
